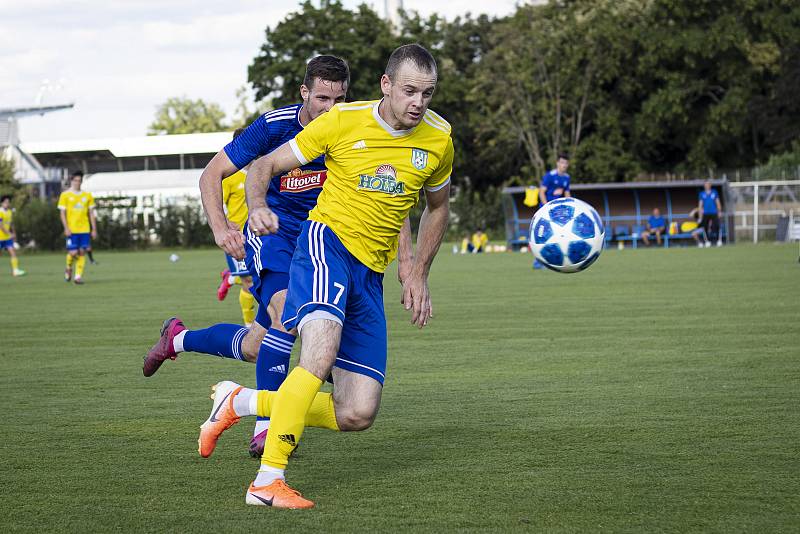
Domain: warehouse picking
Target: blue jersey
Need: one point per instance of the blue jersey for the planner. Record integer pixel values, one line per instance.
(292, 195)
(709, 201)
(656, 222)
(552, 181)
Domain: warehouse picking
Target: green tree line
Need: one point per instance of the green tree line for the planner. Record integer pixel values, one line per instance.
(625, 86)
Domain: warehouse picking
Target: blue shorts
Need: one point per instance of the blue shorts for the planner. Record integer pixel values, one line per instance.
(6, 243)
(271, 252)
(79, 241)
(264, 287)
(325, 277)
(237, 267)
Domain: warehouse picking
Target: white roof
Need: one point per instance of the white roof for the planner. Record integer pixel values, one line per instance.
(130, 182)
(151, 145)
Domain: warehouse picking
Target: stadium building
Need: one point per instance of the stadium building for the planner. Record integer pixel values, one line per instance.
(133, 177)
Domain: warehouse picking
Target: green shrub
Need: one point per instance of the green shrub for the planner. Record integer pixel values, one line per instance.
(184, 226)
(113, 234)
(38, 221)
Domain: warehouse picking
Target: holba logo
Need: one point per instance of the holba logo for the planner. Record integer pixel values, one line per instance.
(385, 181)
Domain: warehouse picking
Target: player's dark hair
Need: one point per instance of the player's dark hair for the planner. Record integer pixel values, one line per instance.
(328, 68)
(416, 54)
(76, 173)
(563, 155)
(5, 197)
(237, 132)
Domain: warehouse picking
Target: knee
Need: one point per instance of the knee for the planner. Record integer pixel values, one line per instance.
(353, 420)
(250, 347)
(250, 355)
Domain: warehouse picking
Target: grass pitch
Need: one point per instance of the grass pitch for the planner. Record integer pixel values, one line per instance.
(658, 391)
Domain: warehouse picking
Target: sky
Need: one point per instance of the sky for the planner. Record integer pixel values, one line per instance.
(117, 60)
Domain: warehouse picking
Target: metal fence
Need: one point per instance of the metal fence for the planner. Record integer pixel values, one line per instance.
(759, 206)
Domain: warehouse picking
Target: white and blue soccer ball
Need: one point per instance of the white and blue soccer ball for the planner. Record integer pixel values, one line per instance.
(567, 235)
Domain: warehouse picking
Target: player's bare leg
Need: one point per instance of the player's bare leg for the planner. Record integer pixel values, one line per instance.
(356, 399)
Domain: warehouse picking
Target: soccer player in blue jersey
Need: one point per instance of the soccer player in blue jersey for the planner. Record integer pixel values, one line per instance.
(710, 210)
(555, 184)
(380, 156)
(291, 195)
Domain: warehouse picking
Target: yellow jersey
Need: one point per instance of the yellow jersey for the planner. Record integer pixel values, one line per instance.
(6, 218)
(234, 199)
(77, 206)
(375, 174)
(479, 241)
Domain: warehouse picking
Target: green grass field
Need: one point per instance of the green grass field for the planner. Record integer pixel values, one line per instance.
(657, 391)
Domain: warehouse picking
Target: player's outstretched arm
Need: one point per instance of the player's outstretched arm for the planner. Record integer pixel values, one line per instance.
(227, 235)
(432, 226)
(262, 221)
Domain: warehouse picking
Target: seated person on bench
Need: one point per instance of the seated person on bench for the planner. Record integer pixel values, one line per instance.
(655, 225)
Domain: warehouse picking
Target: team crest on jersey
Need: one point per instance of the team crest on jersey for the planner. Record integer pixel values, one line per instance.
(419, 158)
(384, 180)
(298, 180)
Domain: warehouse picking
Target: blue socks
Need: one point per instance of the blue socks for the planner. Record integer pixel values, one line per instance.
(273, 361)
(223, 340)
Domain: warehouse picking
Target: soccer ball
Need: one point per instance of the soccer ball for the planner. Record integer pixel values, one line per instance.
(567, 235)
(174, 257)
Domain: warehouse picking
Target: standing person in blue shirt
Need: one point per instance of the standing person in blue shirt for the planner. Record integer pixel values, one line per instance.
(655, 225)
(291, 195)
(710, 210)
(555, 184)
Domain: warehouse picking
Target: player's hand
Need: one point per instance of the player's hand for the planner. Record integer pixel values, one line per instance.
(417, 299)
(94, 234)
(403, 274)
(231, 240)
(67, 232)
(263, 221)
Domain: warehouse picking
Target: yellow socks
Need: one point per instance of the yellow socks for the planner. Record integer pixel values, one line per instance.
(15, 264)
(288, 416)
(321, 414)
(79, 265)
(248, 305)
(70, 259)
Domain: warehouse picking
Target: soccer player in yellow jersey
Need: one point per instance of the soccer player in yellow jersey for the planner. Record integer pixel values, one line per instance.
(233, 198)
(80, 222)
(379, 156)
(8, 235)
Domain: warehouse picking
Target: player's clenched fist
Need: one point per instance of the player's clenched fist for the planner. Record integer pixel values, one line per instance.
(263, 221)
(231, 241)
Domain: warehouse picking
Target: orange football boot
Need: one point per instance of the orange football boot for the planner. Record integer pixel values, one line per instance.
(278, 495)
(221, 419)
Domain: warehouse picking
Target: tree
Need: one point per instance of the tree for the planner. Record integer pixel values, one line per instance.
(536, 90)
(182, 115)
(360, 37)
(8, 184)
(712, 79)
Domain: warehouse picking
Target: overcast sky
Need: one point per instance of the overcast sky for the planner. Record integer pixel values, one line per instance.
(118, 59)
